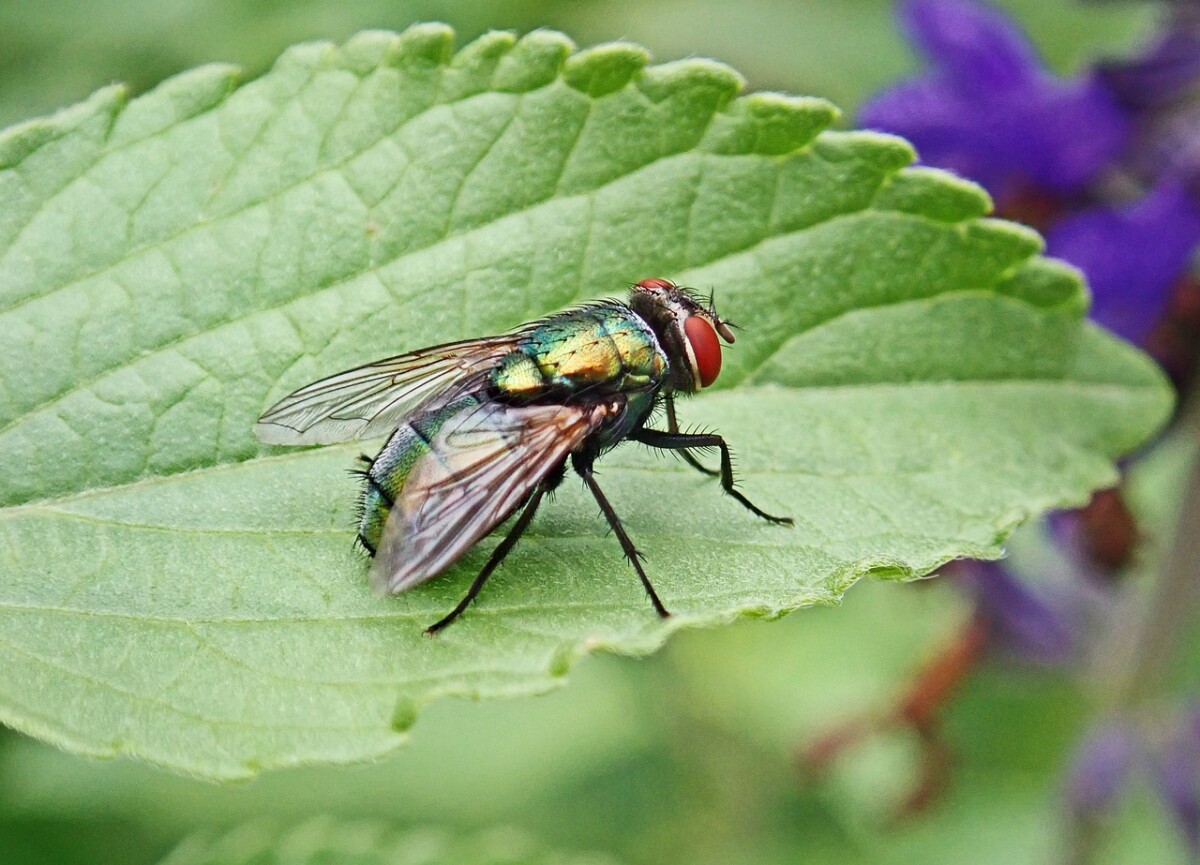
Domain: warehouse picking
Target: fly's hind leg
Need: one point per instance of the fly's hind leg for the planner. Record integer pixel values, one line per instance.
(502, 549)
(682, 441)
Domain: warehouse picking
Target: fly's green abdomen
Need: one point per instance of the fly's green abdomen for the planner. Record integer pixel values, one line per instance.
(390, 469)
(604, 347)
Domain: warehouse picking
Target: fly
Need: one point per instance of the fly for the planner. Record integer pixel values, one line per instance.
(482, 428)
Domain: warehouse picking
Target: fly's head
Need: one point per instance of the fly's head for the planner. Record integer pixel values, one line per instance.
(689, 331)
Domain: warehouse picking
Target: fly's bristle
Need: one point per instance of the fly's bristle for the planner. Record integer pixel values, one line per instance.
(363, 472)
(360, 541)
(360, 512)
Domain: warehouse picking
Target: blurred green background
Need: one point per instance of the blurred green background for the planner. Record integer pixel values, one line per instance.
(56, 52)
(688, 756)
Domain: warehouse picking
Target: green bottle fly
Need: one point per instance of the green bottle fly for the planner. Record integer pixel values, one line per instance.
(483, 428)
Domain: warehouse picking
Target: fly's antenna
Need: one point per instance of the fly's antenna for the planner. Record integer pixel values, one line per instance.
(711, 308)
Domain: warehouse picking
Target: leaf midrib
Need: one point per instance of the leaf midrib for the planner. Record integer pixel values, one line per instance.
(1103, 389)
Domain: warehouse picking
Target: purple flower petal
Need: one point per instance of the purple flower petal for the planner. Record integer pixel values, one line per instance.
(1170, 67)
(1077, 131)
(979, 50)
(945, 133)
(1020, 621)
(1132, 257)
(1178, 779)
(1101, 767)
(989, 111)
(1169, 145)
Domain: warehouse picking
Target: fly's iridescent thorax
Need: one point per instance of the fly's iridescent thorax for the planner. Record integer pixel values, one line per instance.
(689, 332)
(602, 346)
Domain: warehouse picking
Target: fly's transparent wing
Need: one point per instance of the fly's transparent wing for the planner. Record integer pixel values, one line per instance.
(481, 465)
(372, 400)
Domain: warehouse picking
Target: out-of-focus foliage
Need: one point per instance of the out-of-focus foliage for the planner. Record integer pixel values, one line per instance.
(686, 756)
(56, 54)
(366, 842)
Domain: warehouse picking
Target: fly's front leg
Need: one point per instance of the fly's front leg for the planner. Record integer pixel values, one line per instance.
(673, 427)
(677, 441)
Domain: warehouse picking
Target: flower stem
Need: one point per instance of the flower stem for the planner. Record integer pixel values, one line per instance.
(1170, 610)
(1142, 654)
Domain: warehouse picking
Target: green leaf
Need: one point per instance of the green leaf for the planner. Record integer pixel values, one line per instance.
(366, 842)
(912, 382)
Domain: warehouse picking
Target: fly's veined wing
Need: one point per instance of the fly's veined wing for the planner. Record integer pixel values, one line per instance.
(481, 465)
(373, 400)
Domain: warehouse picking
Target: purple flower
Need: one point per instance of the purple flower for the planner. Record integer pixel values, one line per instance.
(1178, 776)
(1108, 165)
(1103, 763)
(1158, 77)
(1157, 90)
(1112, 752)
(988, 110)
(1048, 149)
(1020, 622)
(1132, 256)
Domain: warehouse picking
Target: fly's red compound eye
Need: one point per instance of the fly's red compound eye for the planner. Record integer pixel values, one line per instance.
(656, 283)
(705, 346)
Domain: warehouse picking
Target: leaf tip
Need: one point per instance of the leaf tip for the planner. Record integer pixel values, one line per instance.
(770, 124)
(658, 82)
(535, 60)
(175, 100)
(100, 109)
(1051, 284)
(488, 48)
(934, 193)
(431, 42)
(1025, 239)
(604, 69)
(866, 155)
(404, 715)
